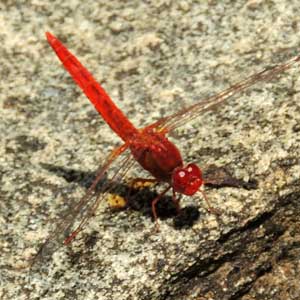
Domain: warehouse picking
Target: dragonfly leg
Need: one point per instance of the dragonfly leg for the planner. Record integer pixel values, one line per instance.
(211, 209)
(153, 204)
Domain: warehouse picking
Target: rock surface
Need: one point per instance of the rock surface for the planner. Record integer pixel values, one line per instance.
(153, 58)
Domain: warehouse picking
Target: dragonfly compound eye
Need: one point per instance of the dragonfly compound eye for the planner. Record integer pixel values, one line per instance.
(187, 180)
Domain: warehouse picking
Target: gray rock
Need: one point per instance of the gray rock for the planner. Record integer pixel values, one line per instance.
(153, 59)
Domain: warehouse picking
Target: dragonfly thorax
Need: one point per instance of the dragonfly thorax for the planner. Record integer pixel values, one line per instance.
(156, 154)
(187, 180)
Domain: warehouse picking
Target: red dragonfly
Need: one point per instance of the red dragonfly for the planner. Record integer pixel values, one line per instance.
(148, 146)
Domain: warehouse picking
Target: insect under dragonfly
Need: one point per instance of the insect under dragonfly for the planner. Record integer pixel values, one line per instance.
(149, 146)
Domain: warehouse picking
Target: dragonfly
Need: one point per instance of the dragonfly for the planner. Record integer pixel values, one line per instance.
(149, 146)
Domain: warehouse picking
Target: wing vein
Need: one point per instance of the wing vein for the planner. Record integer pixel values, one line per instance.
(180, 118)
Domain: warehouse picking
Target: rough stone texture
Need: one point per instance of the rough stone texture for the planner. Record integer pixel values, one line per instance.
(153, 57)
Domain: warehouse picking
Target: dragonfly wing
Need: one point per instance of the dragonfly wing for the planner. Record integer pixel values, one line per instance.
(84, 209)
(126, 164)
(180, 118)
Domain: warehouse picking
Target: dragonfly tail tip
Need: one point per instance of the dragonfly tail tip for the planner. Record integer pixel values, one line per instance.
(49, 36)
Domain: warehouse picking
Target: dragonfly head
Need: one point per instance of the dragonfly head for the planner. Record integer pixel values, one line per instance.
(187, 180)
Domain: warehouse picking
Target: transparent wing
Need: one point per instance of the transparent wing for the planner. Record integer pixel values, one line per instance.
(78, 216)
(180, 118)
